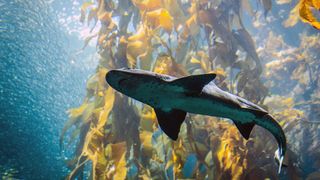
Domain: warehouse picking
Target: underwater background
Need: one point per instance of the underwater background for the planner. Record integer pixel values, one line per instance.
(60, 119)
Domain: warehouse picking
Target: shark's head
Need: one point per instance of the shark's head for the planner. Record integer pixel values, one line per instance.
(133, 82)
(123, 80)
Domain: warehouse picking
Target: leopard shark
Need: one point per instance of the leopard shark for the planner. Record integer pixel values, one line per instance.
(173, 97)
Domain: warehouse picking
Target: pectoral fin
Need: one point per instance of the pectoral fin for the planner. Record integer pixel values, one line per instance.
(245, 129)
(170, 122)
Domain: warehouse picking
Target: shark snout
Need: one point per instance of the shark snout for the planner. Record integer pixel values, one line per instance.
(119, 78)
(113, 78)
(110, 77)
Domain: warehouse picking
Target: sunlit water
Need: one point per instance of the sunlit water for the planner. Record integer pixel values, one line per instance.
(40, 79)
(43, 74)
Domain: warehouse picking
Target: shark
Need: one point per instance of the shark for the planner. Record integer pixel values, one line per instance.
(173, 97)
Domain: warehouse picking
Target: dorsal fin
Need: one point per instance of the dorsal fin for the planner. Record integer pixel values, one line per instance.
(194, 83)
(170, 122)
(245, 129)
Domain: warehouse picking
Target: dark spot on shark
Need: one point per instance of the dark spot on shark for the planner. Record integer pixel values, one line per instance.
(121, 81)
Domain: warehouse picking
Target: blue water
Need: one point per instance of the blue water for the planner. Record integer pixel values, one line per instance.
(40, 79)
(42, 75)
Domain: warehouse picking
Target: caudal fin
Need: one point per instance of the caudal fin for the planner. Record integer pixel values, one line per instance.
(281, 161)
(270, 124)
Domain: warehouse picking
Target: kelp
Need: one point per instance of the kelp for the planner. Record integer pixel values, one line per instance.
(307, 10)
(119, 138)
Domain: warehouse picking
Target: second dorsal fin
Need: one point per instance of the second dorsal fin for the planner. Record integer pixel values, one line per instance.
(245, 129)
(194, 83)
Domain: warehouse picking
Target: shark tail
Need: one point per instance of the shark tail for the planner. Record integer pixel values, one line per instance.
(270, 124)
